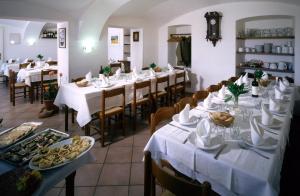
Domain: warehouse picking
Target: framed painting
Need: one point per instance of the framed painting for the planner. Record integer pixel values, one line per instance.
(136, 36)
(62, 37)
(114, 39)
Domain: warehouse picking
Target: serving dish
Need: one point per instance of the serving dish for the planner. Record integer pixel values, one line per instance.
(21, 152)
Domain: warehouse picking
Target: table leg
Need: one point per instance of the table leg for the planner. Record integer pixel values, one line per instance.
(66, 118)
(31, 94)
(70, 184)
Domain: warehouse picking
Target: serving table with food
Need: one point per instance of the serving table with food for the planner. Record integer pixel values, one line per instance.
(89, 94)
(32, 162)
(238, 149)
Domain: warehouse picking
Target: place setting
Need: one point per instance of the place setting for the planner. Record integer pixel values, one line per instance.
(207, 105)
(276, 107)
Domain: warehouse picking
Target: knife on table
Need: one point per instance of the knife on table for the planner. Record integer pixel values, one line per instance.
(220, 150)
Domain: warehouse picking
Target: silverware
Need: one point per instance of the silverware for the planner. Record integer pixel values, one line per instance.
(220, 150)
(243, 146)
(179, 127)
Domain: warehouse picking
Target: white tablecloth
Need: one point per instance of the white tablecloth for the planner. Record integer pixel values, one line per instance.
(236, 171)
(86, 100)
(5, 67)
(33, 75)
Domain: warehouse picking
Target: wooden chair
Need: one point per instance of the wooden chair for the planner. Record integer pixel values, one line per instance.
(162, 114)
(178, 87)
(182, 103)
(72, 110)
(224, 82)
(214, 88)
(162, 95)
(24, 65)
(200, 96)
(136, 101)
(44, 83)
(117, 111)
(114, 67)
(174, 185)
(52, 62)
(14, 86)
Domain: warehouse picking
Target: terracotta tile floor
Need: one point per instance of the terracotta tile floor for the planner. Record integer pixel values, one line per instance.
(118, 168)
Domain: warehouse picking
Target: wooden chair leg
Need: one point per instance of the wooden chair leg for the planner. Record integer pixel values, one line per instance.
(102, 131)
(24, 91)
(72, 115)
(123, 123)
(14, 97)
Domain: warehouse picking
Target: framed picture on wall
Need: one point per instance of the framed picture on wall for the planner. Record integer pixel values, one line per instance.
(62, 38)
(136, 36)
(114, 40)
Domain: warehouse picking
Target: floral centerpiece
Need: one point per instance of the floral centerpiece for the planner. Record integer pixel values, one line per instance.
(39, 56)
(236, 90)
(258, 74)
(155, 67)
(107, 71)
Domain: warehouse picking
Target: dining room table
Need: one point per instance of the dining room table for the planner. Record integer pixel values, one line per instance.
(5, 67)
(234, 166)
(86, 100)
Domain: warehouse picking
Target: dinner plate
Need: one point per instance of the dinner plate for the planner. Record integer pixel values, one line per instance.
(269, 142)
(213, 106)
(215, 142)
(275, 124)
(60, 144)
(106, 85)
(193, 120)
(282, 110)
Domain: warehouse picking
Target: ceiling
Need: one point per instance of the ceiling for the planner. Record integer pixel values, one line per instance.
(14, 23)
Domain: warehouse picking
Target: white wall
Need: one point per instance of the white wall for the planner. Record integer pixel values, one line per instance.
(136, 50)
(1, 43)
(46, 47)
(63, 55)
(115, 51)
(213, 64)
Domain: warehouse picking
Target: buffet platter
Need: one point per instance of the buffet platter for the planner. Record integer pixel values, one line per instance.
(13, 135)
(21, 152)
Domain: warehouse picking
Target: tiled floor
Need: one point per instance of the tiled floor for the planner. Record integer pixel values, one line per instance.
(118, 168)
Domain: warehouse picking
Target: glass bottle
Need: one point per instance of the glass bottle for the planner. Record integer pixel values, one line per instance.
(254, 89)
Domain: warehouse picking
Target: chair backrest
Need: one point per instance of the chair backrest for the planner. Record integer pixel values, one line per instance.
(112, 93)
(233, 79)
(141, 85)
(175, 184)
(30, 60)
(224, 82)
(200, 96)
(50, 72)
(162, 80)
(52, 62)
(114, 67)
(178, 76)
(12, 78)
(24, 65)
(214, 88)
(162, 114)
(182, 103)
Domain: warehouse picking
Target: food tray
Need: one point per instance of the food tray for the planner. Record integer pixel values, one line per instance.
(34, 127)
(20, 153)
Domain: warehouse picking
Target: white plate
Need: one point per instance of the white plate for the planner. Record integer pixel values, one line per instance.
(282, 110)
(60, 144)
(269, 142)
(193, 120)
(106, 85)
(275, 125)
(215, 142)
(213, 106)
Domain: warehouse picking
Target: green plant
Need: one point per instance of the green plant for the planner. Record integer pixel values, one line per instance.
(39, 56)
(152, 65)
(50, 92)
(106, 70)
(236, 90)
(258, 74)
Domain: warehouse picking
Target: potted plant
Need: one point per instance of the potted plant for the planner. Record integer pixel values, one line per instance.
(155, 67)
(236, 90)
(39, 56)
(107, 71)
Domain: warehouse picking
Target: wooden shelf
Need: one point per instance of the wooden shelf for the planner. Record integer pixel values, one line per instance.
(48, 37)
(282, 37)
(126, 44)
(264, 69)
(263, 53)
(127, 53)
(127, 35)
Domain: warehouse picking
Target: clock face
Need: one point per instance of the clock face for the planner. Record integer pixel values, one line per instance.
(212, 21)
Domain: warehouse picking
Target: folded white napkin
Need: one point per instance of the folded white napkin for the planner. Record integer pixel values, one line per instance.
(256, 133)
(25, 61)
(39, 64)
(184, 115)
(151, 72)
(21, 75)
(28, 66)
(88, 76)
(118, 72)
(266, 116)
(274, 105)
(239, 81)
(282, 86)
(171, 68)
(278, 94)
(285, 82)
(222, 93)
(207, 101)
(245, 79)
(265, 76)
(10, 60)
(46, 65)
(203, 132)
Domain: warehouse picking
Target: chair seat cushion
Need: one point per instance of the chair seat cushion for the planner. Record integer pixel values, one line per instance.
(112, 111)
(20, 85)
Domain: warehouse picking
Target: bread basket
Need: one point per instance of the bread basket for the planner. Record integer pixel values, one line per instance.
(221, 118)
(264, 83)
(82, 83)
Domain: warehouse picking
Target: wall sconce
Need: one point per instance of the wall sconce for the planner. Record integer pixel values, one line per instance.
(14, 38)
(30, 41)
(88, 45)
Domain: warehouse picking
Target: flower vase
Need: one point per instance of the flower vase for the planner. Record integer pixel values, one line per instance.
(236, 109)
